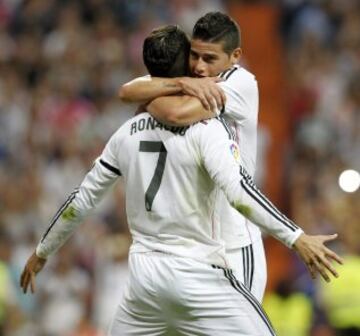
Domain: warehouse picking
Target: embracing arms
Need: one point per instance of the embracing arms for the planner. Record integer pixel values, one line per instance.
(196, 98)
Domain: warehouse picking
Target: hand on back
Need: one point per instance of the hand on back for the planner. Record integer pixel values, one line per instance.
(211, 95)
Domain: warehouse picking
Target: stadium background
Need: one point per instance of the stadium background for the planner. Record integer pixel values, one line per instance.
(61, 64)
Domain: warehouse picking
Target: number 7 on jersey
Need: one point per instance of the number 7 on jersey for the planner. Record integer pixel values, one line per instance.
(154, 147)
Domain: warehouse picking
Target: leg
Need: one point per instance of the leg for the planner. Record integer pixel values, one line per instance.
(215, 303)
(139, 314)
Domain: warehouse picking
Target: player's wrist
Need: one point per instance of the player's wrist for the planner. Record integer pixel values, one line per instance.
(298, 239)
(40, 254)
(182, 83)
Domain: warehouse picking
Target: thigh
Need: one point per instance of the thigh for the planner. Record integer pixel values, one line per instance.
(126, 322)
(218, 304)
(139, 312)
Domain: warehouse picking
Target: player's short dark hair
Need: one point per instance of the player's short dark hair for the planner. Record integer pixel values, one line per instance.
(215, 27)
(166, 52)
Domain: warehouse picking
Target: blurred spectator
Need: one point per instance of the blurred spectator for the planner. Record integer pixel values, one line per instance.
(341, 299)
(64, 296)
(7, 297)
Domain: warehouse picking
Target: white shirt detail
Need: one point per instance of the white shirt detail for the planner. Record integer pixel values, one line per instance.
(181, 173)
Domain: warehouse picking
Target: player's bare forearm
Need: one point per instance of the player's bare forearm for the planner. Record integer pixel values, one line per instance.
(178, 110)
(144, 89)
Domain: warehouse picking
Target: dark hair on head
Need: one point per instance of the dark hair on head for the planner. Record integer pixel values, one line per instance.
(166, 52)
(217, 27)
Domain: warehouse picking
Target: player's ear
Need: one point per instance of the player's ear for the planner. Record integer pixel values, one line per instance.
(236, 55)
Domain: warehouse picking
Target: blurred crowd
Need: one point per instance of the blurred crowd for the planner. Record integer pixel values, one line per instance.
(61, 64)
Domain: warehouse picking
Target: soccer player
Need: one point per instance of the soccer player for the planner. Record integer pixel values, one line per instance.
(215, 50)
(179, 275)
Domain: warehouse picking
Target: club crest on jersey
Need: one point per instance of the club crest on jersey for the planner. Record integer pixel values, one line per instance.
(234, 149)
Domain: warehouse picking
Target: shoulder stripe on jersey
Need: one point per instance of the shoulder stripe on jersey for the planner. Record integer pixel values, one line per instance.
(280, 216)
(223, 74)
(227, 73)
(227, 76)
(248, 296)
(60, 212)
(110, 167)
(227, 128)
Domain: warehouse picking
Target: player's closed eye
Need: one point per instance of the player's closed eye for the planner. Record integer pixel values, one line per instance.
(194, 55)
(209, 59)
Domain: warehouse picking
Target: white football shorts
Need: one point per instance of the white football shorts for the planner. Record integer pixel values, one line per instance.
(169, 295)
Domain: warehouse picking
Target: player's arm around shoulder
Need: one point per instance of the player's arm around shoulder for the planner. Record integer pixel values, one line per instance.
(179, 110)
(145, 88)
(201, 99)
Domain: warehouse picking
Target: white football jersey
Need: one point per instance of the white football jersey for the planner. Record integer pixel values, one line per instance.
(241, 114)
(172, 177)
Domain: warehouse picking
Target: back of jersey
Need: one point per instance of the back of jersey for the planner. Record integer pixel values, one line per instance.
(169, 195)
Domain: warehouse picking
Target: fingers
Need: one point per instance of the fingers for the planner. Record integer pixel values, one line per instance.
(332, 255)
(207, 99)
(328, 266)
(322, 265)
(321, 270)
(311, 270)
(204, 101)
(25, 277)
(329, 237)
(218, 94)
(22, 278)
(32, 282)
(211, 99)
(210, 94)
